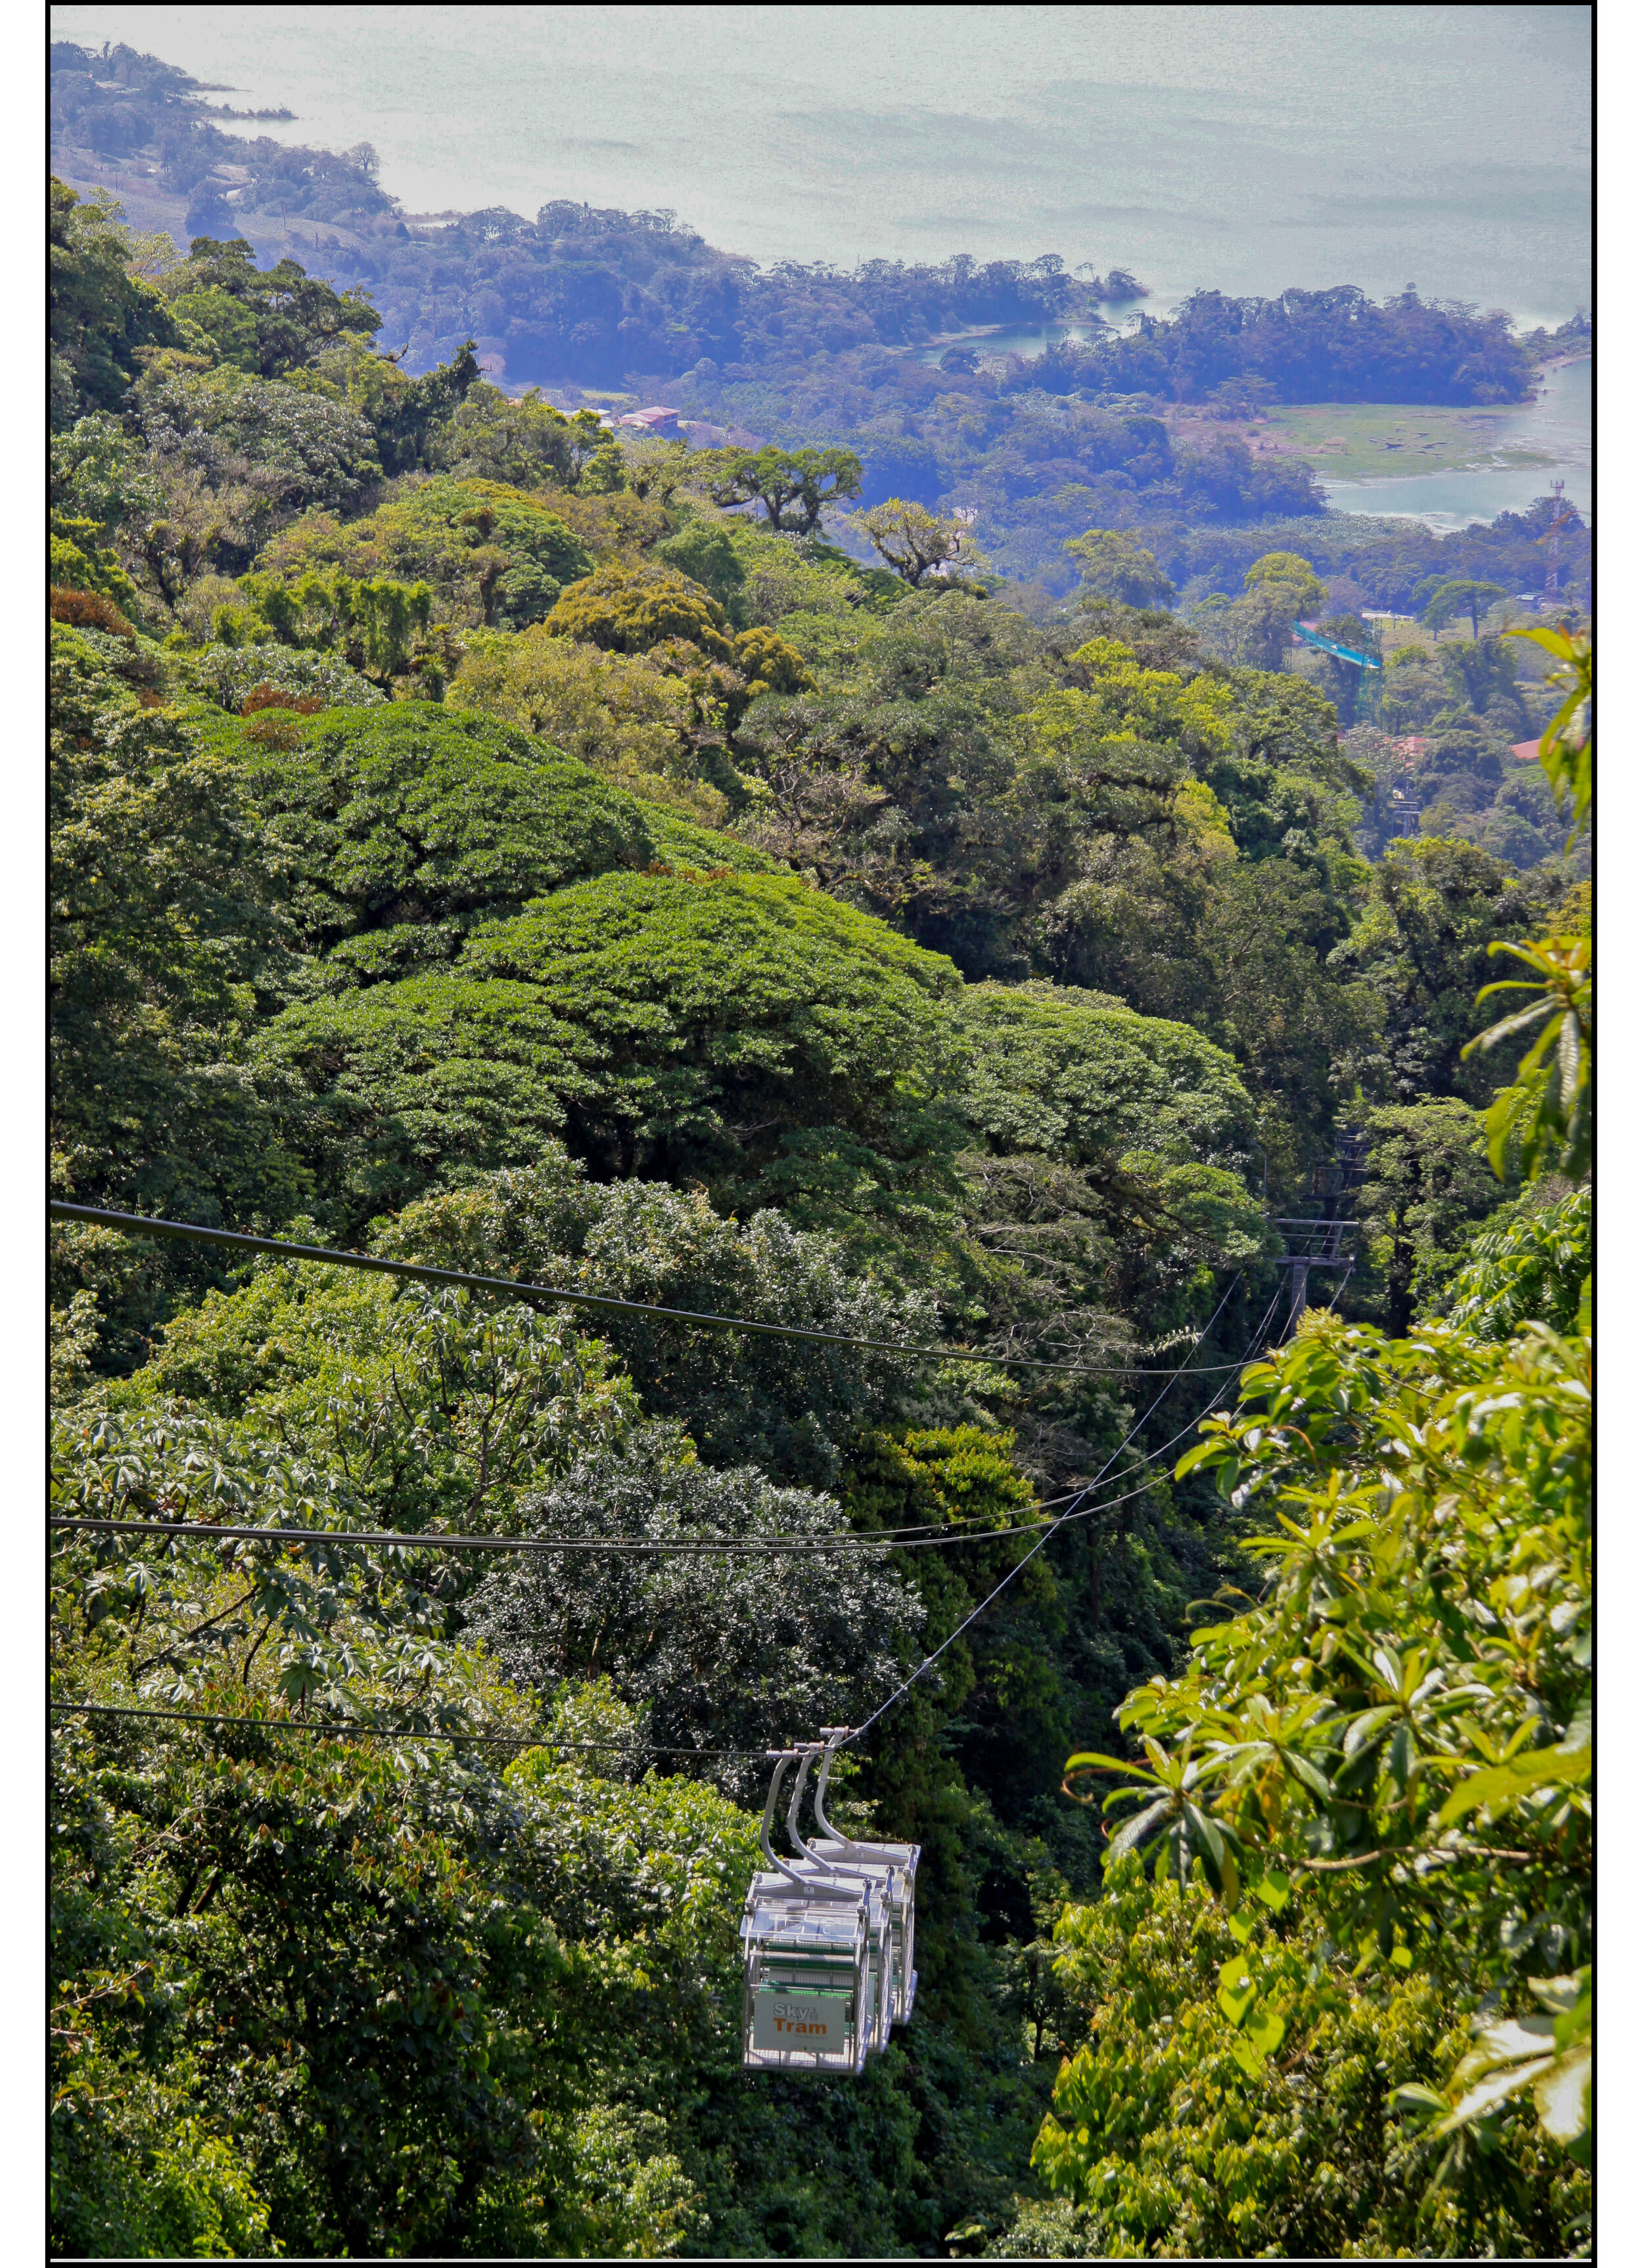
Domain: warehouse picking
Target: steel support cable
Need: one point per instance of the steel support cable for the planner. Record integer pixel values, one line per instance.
(732, 1547)
(343, 1729)
(753, 1546)
(844, 1540)
(135, 1224)
(1055, 1528)
(1076, 1511)
(1347, 1278)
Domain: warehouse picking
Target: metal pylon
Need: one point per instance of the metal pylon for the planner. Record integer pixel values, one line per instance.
(1324, 1240)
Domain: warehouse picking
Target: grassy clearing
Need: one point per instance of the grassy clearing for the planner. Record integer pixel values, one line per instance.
(1364, 440)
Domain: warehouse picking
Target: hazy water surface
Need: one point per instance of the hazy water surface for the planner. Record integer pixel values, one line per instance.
(1245, 148)
(1558, 429)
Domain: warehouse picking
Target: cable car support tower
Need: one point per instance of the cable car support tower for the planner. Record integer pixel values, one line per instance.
(1323, 1240)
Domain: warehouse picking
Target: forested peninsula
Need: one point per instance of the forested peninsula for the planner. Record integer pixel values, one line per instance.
(833, 871)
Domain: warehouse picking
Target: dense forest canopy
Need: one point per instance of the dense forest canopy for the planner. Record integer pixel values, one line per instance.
(690, 874)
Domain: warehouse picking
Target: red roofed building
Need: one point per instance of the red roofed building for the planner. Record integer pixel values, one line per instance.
(658, 420)
(1527, 752)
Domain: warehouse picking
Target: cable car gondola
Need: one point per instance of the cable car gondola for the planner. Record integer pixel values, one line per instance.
(808, 1988)
(836, 1862)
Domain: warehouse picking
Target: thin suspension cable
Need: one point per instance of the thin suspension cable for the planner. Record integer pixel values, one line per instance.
(343, 1729)
(1345, 1280)
(749, 1547)
(1077, 1511)
(346, 1730)
(929, 1662)
(723, 1547)
(140, 1225)
(918, 1534)
(728, 1547)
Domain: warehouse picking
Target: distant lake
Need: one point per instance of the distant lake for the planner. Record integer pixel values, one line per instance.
(1556, 427)
(1249, 149)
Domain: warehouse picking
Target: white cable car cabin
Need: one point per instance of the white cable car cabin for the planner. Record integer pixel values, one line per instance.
(818, 1863)
(901, 1861)
(807, 1984)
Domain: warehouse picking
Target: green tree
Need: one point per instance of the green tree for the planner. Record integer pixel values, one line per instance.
(1364, 1716)
(263, 322)
(1345, 681)
(385, 2005)
(1421, 946)
(523, 444)
(1290, 572)
(915, 542)
(792, 486)
(435, 1412)
(740, 1029)
(1531, 1263)
(606, 471)
(1124, 702)
(166, 938)
(1459, 594)
(628, 610)
(1546, 1114)
(402, 826)
(1281, 588)
(1428, 1183)
(704, 551)
(626, 715)
(376, 624)
(792, 1408)
(100, 315)
(1481, 679)
(1149, 1114)
(700, 1645)
(292, 447)
(410, 417)
(1175, 2134)
(1194, 932)
(100, 480)
(491, 556)
(1114, 566)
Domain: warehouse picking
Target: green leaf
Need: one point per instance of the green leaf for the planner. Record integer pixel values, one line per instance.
(1506, 1783)
(1236, 1995)
(1400, 1756)
(1205, 1453)
(1512, 2039)
(1092, 1760)
(1563, 2095)
(1273, 1891)
(1497, 2088)
(1209, 1838)
(1419, 2098)
(1561, 1996)
(1130, 1833)
(1264, 2030)
(1308, 1775)
(1362, 1728)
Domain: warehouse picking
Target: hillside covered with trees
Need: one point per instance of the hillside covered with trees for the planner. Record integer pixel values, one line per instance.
(890, 360)
(489, 842)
